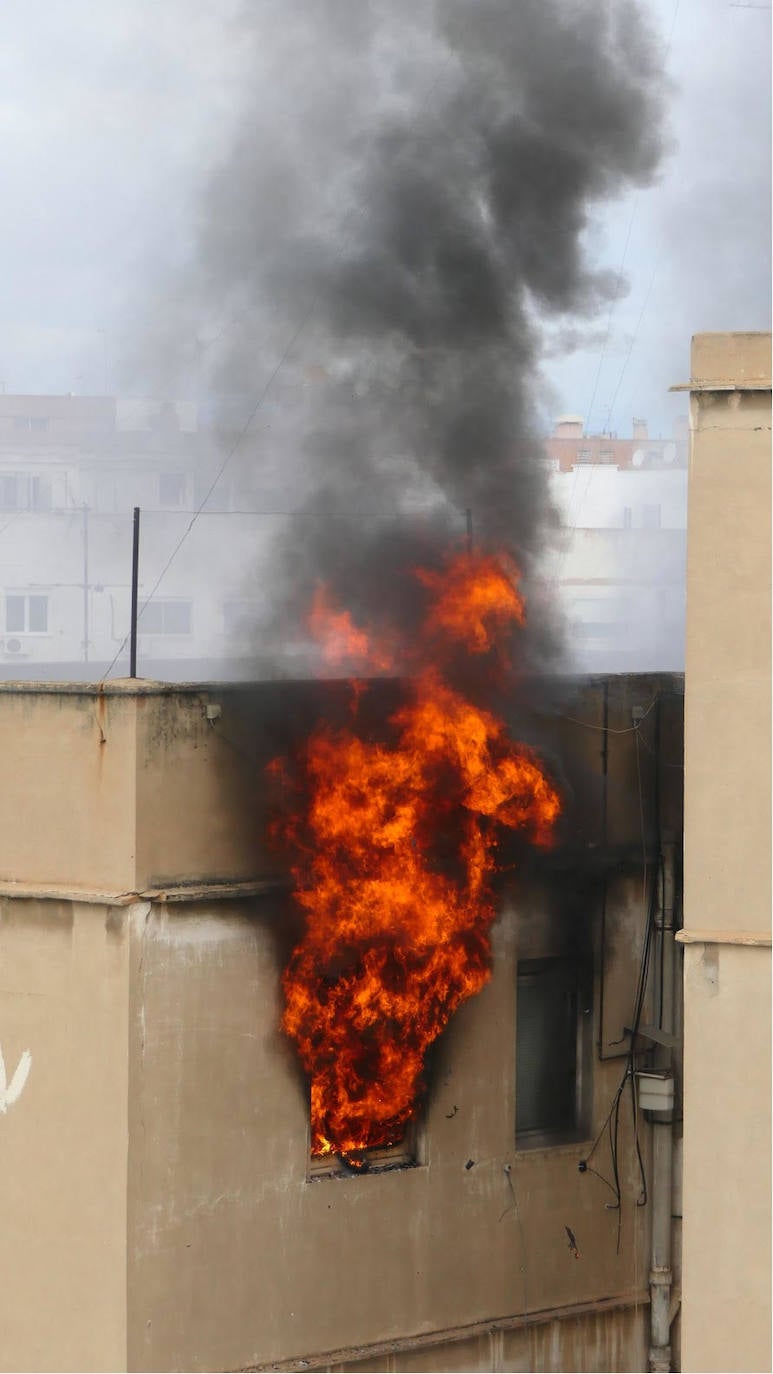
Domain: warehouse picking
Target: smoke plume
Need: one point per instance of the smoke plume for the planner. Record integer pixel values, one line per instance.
(403, 207)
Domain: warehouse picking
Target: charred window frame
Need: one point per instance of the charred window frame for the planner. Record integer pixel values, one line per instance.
(407, 1153)
(553, 1050)
(412, 1152)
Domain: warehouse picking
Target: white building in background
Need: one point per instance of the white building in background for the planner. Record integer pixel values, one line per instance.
(72, 468)
(71, 471)
(619, 564)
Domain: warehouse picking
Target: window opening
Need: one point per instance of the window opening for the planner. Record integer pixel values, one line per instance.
(405, 1154)
(166, 618)
(9, 491)
(552, 1025)
(26, 614)
(171, 488)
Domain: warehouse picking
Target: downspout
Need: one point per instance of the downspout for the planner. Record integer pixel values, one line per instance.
(661, 1276)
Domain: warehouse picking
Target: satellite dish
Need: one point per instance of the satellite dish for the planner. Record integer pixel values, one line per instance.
(638, 458)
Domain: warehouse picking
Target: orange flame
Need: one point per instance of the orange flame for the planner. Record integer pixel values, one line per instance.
(399, 847)
(475, 600)
(343, 644)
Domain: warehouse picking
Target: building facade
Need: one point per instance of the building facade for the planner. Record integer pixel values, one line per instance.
(726, 1294)
(617, 569)
(73, 468)
(160, 1206)
(71, 471)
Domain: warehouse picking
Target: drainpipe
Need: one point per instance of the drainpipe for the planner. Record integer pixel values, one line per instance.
(660, 1271)
(661, 1277)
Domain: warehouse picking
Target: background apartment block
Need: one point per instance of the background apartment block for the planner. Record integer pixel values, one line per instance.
(72, 469)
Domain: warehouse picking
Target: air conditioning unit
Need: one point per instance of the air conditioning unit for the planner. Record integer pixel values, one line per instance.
(14, 648)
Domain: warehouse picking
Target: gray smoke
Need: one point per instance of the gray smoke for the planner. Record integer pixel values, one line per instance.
(403, 206)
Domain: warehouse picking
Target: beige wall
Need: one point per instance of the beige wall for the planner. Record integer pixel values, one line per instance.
(64, 1142)
(727, 860)
(236, 1258)
(157, 1204)
(67, 809)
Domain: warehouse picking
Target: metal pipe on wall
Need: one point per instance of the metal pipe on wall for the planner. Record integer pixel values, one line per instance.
(661, 1275)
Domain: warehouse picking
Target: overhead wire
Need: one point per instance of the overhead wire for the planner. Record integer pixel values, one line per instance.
(356, 213)
(229, 455)
(575, 509)
(650, 894)
(648, 292)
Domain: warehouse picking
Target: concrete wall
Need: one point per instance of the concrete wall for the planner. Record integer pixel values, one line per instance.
(67, 811)
(727, 860)
(64, 992)
(237, 1258)
(160, 1212)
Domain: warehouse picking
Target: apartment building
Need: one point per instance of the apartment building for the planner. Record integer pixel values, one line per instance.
(617, 566)
(72, 468)
(71, 471)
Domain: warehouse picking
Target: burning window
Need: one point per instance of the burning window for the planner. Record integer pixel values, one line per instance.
(393, 842)
(552, 1025)
(405, 1154)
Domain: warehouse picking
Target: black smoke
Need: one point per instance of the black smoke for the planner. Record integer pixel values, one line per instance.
(402, 208)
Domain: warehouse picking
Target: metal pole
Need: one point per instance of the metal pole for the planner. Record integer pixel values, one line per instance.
(135, 575)
(85, 583)
(661, 1275)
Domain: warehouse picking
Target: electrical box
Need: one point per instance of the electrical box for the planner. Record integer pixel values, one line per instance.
(656, 1090)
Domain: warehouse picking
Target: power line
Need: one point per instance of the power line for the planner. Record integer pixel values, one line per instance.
(229, 455)
(574, 514)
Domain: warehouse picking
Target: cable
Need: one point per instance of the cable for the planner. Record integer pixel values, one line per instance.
(656, 888)
(229, 455)
(508, 1170)
(572, 523)
(631, 345)
(355, 214)
(657, 263)
(606, 729)
(664, 763)
(612, 305)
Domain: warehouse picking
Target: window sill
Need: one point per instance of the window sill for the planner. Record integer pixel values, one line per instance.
(544, 1142)
(320, 1170)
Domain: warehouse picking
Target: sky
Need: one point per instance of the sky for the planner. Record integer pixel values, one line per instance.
(112, 116)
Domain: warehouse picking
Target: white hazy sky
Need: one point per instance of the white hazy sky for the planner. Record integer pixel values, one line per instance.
(111, 115)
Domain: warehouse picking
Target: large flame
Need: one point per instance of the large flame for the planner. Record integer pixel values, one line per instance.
(395, 851)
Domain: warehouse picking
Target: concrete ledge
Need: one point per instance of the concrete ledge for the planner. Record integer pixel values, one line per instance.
(427, 1340)
(723, 937)
(193, 892)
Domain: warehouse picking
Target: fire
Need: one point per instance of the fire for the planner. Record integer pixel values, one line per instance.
(395, 849)
(474, 600)
(343, 644)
